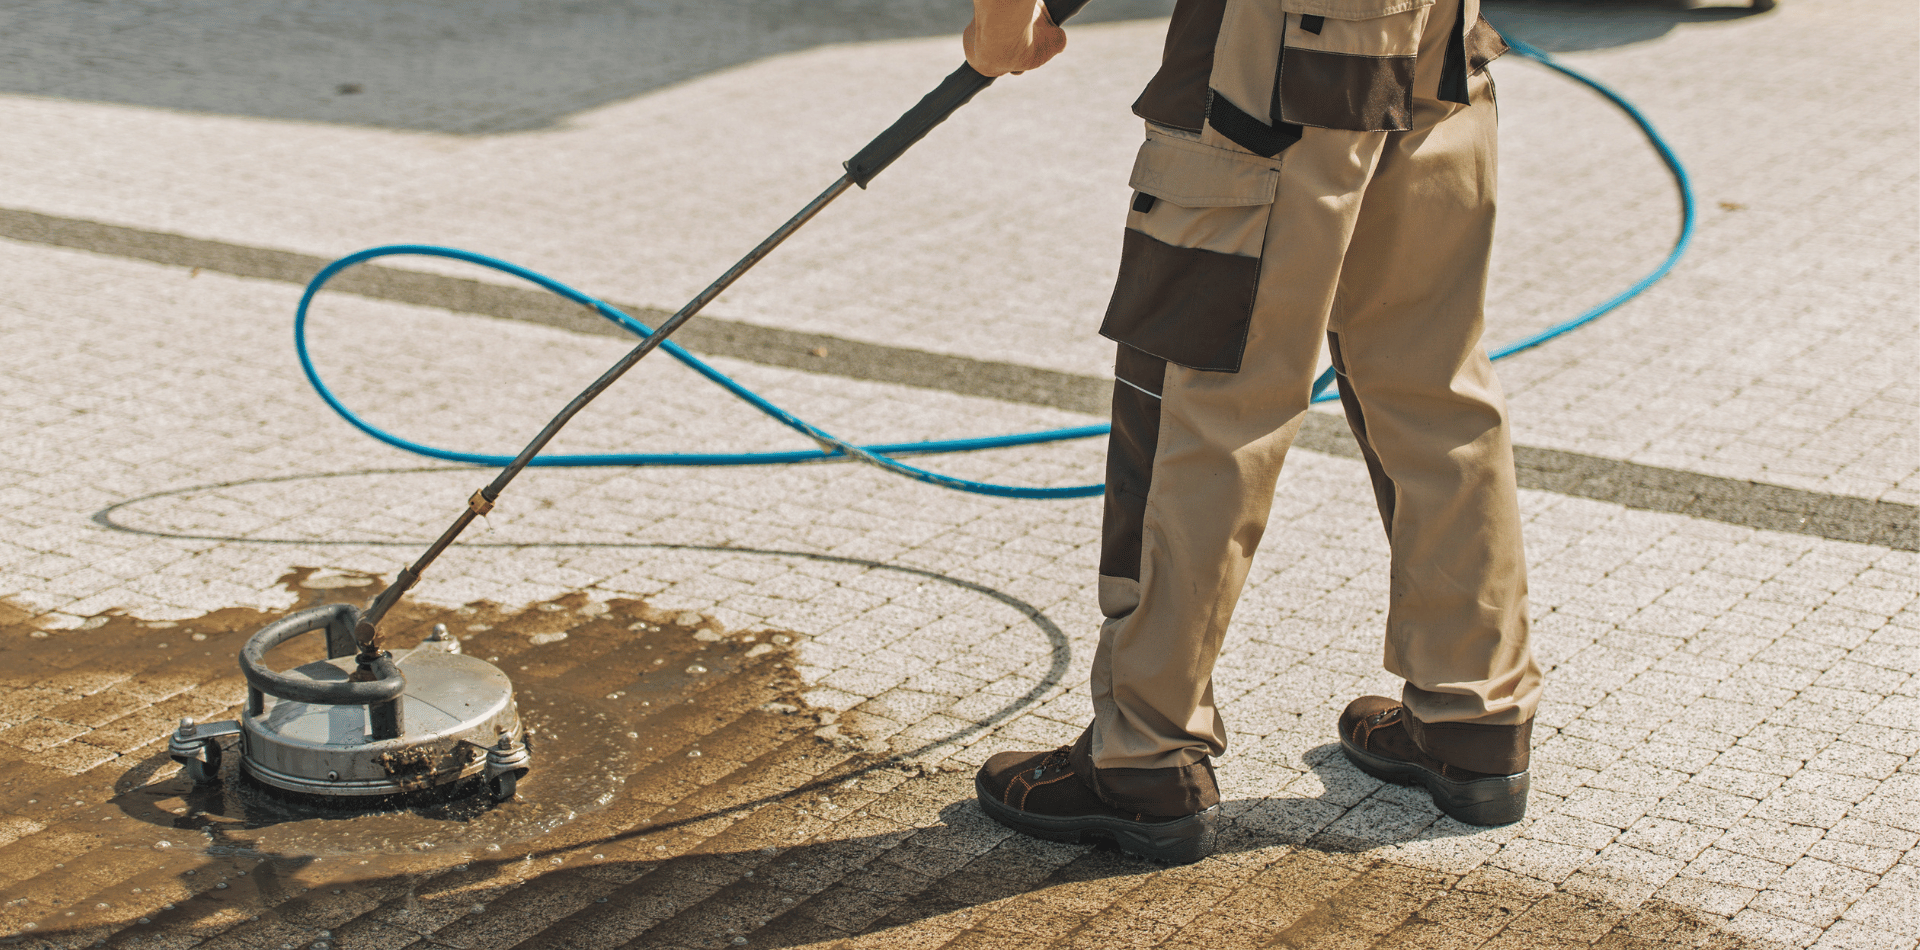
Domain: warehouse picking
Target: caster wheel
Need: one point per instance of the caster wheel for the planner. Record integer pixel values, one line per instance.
(504, 786)
(207, 771)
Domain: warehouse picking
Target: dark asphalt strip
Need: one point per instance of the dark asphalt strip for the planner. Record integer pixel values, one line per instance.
(1727, 500)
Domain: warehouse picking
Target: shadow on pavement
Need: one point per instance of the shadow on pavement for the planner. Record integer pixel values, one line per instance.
(1562, 26)
(907, 887)
(489, 66)
(684, 797)
(457, 66)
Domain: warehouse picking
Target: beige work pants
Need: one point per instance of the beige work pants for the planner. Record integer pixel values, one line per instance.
(1237, 266)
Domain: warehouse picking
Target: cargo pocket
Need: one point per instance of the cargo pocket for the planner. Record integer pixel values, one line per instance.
(1348, 64)
(1190, 263)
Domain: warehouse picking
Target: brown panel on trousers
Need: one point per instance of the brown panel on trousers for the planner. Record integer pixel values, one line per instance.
(1185, 305)
(1172, 792)
(1476, 746)
(1383, 492)
(1338, 91)
(1453, 75)
(1130, 452)
(1484, 44)
(1177, 96)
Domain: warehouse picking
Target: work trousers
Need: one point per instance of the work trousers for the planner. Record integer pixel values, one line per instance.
(1236, 267)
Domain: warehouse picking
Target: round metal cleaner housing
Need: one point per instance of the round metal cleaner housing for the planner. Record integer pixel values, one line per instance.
(454, 709)
(356, 727)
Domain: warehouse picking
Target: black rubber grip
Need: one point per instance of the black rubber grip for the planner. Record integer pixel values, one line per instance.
(959, 86)
(953, 92)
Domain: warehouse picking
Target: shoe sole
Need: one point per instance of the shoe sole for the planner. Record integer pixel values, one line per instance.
(1499, 800)
(1181, 841)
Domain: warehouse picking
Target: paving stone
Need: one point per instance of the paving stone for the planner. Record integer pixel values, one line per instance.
(1773, 930)
(1846, 935)
(1709, 896)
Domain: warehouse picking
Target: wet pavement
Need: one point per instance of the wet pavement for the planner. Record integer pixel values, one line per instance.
(682, 795)
(660, 702)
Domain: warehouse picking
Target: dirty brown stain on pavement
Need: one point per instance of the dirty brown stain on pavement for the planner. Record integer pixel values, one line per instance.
(681, 797)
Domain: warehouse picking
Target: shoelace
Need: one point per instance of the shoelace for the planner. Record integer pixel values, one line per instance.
(1058, 758)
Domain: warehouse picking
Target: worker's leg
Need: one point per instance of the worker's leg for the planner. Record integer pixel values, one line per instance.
(1192, 465)
(1422, 398)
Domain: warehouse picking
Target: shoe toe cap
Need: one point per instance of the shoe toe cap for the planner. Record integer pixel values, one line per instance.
(1362, 708)
(1001, 768)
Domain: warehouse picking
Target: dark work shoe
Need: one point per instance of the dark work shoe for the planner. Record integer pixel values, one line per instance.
(1041, 794)
(1375, 733)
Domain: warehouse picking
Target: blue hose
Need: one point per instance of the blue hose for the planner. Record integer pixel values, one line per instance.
(884, 455)
(831, 447)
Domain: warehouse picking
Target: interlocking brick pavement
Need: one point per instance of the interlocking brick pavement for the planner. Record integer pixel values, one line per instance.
(1725, 757)
(1704, 734)
(1777, 353)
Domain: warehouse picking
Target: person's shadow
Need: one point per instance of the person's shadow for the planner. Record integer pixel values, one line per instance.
(732, 883)
(1290, 871)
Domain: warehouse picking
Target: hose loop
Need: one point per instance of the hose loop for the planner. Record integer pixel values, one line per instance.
(886, 455)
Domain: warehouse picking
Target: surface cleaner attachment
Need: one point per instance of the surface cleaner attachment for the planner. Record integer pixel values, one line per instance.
(366, 726)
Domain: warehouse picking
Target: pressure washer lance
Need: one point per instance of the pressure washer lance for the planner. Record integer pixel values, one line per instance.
(955, 91)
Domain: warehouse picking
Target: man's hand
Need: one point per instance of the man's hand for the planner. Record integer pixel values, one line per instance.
(1011, 36)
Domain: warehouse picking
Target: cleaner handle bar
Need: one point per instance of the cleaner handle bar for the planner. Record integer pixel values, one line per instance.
(955, 91)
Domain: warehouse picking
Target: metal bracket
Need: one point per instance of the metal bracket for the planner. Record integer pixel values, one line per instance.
(340, 639)
(441, 639)
(507, 755)
(191, 740)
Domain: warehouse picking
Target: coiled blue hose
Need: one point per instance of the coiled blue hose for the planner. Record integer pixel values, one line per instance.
(884, 455)
(831, 446)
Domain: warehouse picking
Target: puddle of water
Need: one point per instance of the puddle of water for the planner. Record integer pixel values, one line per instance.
(605, 689)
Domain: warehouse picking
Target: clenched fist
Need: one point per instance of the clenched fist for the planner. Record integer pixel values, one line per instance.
(1011, 36)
